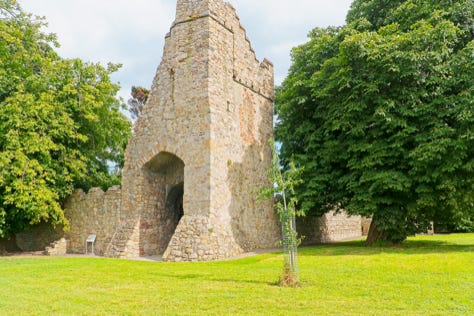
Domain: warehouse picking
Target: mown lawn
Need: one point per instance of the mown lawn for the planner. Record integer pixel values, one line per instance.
(429, 275)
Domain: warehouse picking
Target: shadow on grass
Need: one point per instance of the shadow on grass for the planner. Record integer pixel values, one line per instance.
(214, 278)
(236, 280)
(409, 247)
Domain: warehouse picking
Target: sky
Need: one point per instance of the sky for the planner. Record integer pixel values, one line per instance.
(131, 32)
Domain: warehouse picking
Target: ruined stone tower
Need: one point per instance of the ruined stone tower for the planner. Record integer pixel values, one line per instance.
(200, 149)
(197, 157)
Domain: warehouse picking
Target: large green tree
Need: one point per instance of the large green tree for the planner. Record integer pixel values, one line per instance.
(61, 125)
(380, 112)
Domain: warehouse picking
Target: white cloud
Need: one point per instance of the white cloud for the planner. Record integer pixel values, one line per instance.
(274, 27)
(89, 26)
(132, 32)
(295, 13)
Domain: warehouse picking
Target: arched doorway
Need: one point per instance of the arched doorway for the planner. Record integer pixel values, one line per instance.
(166, 188)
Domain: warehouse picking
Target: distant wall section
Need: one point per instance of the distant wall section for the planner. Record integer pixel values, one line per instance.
(331, 227)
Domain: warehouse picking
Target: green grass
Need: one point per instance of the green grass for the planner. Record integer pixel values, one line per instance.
(429, 275)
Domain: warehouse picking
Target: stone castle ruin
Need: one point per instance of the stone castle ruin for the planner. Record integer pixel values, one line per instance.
(199, 150)
(198, 155)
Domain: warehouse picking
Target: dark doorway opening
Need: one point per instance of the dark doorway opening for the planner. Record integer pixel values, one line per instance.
(174, 207)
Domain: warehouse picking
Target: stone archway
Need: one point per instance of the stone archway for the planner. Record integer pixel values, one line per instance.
(165, 173)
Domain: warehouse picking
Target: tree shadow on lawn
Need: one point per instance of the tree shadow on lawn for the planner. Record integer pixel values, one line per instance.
(212, 277)
(409, 247)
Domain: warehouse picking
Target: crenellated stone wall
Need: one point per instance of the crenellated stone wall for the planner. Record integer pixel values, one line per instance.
(96, 212)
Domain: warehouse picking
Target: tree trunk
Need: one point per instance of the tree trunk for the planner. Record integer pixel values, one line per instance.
(375, 235)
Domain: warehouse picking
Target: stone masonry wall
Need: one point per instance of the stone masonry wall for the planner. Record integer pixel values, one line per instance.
(175, 121)
(241, 99)
(330, 227)
(96, 212)
(38, 238)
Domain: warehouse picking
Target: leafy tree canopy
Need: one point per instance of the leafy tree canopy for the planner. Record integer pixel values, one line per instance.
(380, 113)
(60, 124)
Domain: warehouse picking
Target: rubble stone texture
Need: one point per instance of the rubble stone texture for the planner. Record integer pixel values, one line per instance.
(331, 227)
(57, 248)
(200, 149)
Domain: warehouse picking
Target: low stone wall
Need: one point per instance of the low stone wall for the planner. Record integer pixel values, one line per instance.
(8, 245)
(331, 227)
(96, 212)
(38, 237)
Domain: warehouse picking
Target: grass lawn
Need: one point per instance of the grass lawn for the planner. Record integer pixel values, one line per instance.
(429, 275)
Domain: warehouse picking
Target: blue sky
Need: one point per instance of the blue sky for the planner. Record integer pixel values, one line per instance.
(131, 32)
